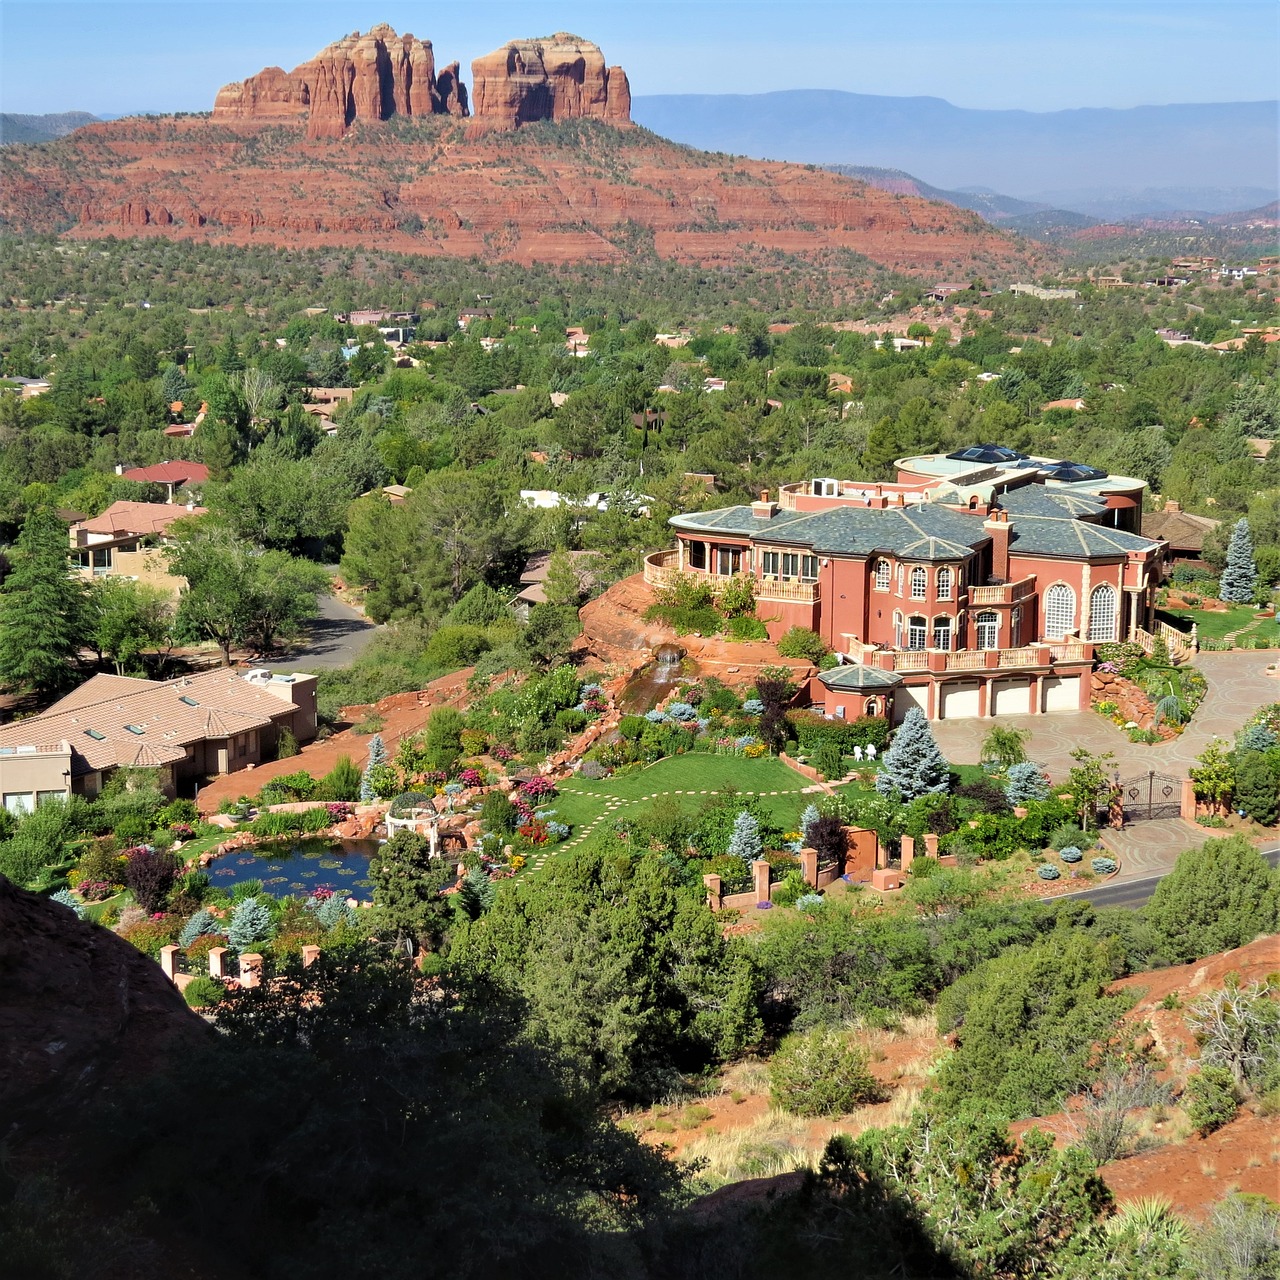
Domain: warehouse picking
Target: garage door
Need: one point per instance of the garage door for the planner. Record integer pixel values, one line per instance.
(959, 701)
(905, 697)
(1062, 693)
(1010, 697)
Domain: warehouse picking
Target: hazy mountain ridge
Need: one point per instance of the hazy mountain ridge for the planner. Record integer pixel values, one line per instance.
(1044, 157)
(34, 129)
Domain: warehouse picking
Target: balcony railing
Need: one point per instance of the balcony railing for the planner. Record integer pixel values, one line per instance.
(1069, 651)
(974, 659)
(1003, 593)
(662, 569)
(790, 589)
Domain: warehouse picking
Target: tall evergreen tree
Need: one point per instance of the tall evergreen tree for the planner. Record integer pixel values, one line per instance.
(377, 756)
(745, 842)
(406, 891)
(913, 766)
(1240, 577)
(41, 608)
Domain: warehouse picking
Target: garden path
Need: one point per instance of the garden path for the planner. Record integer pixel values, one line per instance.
(1237, 685)
(1151, 848)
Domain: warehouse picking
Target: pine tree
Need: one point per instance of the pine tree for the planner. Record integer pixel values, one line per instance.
(201, 923)
(475, 894)
(406, 890)
(377, 756)
(1240, 577)
(913, 766)
(174, 386)
(810, 815)
(42, 608)
(562, 584)
(745, 842)
(251, 924)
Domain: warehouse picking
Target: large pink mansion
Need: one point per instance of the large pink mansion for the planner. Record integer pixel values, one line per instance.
(976, 585)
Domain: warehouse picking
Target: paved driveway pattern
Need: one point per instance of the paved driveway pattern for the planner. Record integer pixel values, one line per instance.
(1238, 684)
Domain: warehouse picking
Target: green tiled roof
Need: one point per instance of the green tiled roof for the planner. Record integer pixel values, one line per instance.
(925, 532)
(853, 676)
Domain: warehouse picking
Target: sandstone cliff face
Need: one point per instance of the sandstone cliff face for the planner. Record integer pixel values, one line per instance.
(560, 77)
(81, 1011)
(360, 77)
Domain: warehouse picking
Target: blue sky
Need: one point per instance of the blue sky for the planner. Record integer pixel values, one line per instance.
(1040, 55)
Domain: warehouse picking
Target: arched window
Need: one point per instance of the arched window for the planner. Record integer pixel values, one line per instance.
(897, 630)
(872, 708)
(917, 632)
(919, 583)
(883, 572)
(1059, 611)
(986, 628)
(1102, 613)
(942, 632)
(943, 583)
(899, 579)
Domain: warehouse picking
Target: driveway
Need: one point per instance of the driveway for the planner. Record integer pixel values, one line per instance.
(336, 638)
(1238, 684)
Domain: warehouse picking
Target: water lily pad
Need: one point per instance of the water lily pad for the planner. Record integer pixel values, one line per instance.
(329, 864)
(346, 871)
(297, 884)
(311, 875)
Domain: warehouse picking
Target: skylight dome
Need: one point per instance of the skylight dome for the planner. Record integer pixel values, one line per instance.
(990, 453)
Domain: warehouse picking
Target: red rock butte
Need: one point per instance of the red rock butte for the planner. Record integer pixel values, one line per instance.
(360, 77)
(559, 77)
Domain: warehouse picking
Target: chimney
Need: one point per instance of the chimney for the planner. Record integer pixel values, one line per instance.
(1170, 505)
(764, 509)
(997, 527)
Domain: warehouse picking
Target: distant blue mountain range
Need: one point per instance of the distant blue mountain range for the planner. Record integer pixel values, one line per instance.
(1101, 161)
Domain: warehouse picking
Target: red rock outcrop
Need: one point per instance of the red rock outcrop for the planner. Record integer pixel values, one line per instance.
(559, 77)
(360, 77)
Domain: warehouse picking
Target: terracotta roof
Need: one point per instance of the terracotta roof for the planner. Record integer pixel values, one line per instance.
(115, 720)
(139, 517)
(1179, 529)
(1074, 403)
(173, 472)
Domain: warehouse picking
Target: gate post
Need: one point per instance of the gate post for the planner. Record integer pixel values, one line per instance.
(1187, 807)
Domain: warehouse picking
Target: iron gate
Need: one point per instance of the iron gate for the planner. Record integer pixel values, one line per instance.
(1149, 796)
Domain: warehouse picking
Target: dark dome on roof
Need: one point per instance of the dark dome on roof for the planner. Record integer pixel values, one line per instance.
(986, 453)
(1071, 471)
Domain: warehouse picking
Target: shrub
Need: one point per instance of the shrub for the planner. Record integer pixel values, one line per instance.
(631, 727)
(287, 745)
(809, 902)
(800, 642)
(745, 842)
(913, 765)
(149, 935)
(681, 711)
(64, 898)
(1048, 872)
(1212, 1100)
(203, 992)
(498, 814)
(828, 761)
(198, 952)
(150, 874)
(1065, 837)
(1070, 854)
(747, 628)
(201, 923)
(102, 862)
(571, 720)
(251, 924)
(988, 796)
(789, 890)
(342, 782)
(810, 730)
(820, 1073)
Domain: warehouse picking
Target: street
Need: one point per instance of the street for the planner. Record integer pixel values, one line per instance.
(1134, 893)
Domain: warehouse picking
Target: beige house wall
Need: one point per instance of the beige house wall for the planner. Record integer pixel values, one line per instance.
(27, 777)
(148, 566)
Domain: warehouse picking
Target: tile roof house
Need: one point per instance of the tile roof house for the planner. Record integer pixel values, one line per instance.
(125, 542)
(975, 585)
(189, 728)
(1184, 532)
(533, 579)
(174, 475)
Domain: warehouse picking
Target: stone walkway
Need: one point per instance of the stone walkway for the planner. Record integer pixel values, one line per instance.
(1238, 684)
(1151, 848)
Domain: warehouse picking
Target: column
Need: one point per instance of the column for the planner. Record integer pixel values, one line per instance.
(715, 897)
(907, 846)
(218, 963)
(250, 969)
(310, 955)
(760, 879)
(169, 961)
(809, 867)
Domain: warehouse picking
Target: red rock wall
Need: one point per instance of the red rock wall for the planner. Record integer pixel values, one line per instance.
(557, 78)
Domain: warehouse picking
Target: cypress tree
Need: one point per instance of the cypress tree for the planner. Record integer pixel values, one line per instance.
(42, 608)
(913, 766)
(1240, 577)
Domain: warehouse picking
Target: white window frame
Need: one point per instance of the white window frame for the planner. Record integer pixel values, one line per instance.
(897, 629)
(1056, 623)
(1107, 591)
(883, 575)
(917, 632)
(942, 583)
(986, 625)
(770, 564)
(919, 583)
(943, 622)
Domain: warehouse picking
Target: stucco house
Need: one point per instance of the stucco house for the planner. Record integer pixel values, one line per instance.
(975, 585)
(125, 541)
(187, 729)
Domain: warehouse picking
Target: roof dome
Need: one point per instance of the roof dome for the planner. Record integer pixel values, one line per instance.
(987, 453)
(1072, 471)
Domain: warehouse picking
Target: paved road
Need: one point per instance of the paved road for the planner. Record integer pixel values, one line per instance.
(1134, 893)
(337, 637)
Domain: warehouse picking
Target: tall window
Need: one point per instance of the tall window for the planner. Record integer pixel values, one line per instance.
(790, 564)
(769, 563)
(1015, 629)
(897, 630)
(809, 568)
(728, 560)
(919, 583)
(697, 555)
(872, 708)
(899, 579)
(1102, 613)
(942, 632)
(917, 632)
(882, 575)
(1059, 611)
(986, 628)
(943, 583)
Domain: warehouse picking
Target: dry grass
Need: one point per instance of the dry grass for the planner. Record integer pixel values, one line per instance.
(775, 1143)
(745, 1078)
(1208, 1168)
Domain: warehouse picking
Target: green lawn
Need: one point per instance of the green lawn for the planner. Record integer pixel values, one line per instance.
(1214, 626)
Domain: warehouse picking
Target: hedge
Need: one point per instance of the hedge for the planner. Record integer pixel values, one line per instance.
(811, 731)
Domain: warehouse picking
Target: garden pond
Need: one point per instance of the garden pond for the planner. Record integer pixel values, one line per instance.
(299, 867)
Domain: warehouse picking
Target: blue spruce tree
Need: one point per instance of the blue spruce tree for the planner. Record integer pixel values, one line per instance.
(250, 924)
(204, 921)
(1240, 577)
(913, 766)
(1025, 781)
(377, 756)
(810, 815)
(745, 842)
